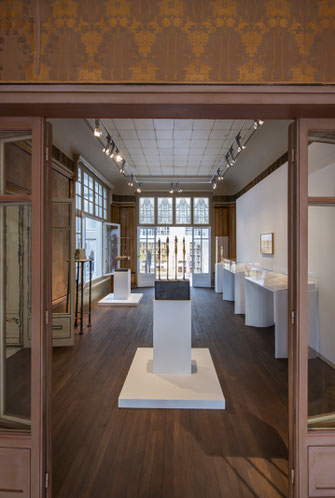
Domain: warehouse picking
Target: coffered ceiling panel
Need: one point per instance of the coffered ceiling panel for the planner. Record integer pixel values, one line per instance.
(178, 147)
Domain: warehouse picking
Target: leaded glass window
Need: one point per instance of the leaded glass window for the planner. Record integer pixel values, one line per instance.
(147, 211)
(164, 208)
(200, 211)
(183, 210)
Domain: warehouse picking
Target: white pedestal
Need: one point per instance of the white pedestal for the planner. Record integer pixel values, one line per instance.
(172, 337)
(133, 300)
(259, 307)
(200, 389)
(239, 293)
(122, 284)
(219, 277)
(228, 285)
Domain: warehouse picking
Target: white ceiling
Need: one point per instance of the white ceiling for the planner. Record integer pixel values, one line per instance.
(199, 155)
(174, 147)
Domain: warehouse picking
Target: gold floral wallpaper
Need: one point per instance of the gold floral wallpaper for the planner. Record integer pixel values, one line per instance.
(167, 41)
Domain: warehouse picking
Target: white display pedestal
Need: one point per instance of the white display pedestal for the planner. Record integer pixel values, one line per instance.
(122, 284)
(266, 304)
(122, 295)
(200, 390)
(172, 337)
(219, 277)
(171, 374)
(228, 285)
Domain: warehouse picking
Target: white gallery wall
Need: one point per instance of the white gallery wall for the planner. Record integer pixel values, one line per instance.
(263, 209)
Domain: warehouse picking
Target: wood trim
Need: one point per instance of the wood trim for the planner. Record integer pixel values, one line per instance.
(40, 305)
(304, 437)
(15, 198)
(270, 169)
(321, 200)
(175, 101)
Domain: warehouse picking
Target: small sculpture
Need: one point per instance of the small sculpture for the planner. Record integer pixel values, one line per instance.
(175, 257)
(167, 257)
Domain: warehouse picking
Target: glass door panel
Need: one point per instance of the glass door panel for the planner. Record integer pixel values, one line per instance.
(15, 295)
(146, 257)
(25, 304)
(201, 257)
(321, 278)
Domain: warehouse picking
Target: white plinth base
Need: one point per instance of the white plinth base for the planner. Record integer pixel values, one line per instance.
(144, 389)
(109, 300)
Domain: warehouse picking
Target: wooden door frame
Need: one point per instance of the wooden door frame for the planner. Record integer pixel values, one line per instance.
(194, 102)
(41, 346)
(304, 438)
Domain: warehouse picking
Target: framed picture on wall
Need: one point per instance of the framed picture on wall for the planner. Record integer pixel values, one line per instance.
(267, 243)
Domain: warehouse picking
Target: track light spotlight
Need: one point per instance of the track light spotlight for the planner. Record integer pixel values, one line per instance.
(171, 188)
(260, 122)
(118, 157)
(97, 129)
(255, 124)
(240, 146)
(139, 188)
(179, 189)
(131, 181)
(213, 184)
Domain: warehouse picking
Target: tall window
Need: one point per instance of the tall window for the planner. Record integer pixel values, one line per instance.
(183, 210)
(200, 211)
(147, 210)
(164, 210)
(91, 195)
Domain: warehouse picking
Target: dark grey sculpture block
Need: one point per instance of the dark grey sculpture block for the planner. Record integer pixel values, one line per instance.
(173, 290)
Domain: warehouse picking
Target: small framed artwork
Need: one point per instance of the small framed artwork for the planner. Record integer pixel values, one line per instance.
(267, 243)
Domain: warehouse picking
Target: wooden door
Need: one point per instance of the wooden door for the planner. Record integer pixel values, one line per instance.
(25, 291)
(312, 307)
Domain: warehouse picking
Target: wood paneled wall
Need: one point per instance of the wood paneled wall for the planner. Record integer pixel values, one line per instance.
(123, 211)
(224, 225)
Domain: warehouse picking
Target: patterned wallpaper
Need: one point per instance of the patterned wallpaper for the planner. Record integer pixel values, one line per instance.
(167, 41)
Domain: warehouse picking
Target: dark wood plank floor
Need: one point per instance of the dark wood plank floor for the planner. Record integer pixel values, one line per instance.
(102, 451)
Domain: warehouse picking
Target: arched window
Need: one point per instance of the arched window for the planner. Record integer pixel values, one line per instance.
(147, 211)
(164, 210)
(200, 211)
(183, 210)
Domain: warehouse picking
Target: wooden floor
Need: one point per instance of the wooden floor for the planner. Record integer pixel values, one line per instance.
(102, 451)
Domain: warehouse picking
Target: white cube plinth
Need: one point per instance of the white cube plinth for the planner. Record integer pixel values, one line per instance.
(122, 282)
(172, 337)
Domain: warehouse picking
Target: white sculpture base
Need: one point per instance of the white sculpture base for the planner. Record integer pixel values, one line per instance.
(110, 300)
(122, 284)
(144, 389)
(172, 337)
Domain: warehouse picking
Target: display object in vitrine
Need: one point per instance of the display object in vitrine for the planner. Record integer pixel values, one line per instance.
(123, 261)
(221, 248)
